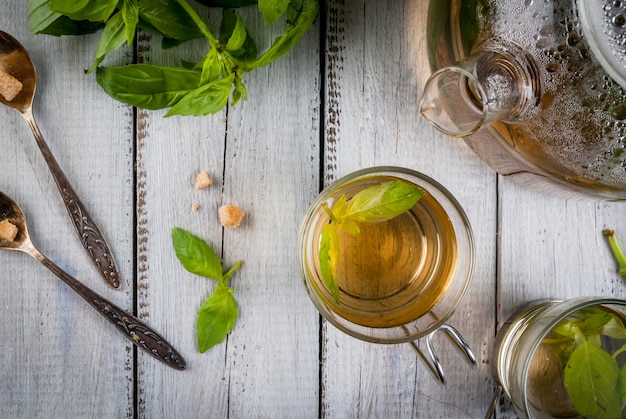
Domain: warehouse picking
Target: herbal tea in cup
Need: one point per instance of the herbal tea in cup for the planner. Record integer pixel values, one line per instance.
(386, 254)
(564, 359)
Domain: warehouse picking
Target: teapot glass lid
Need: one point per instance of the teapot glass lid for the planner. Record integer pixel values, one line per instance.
(604, 26)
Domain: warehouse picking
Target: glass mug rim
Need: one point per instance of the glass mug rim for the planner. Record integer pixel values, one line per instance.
(556, 310)
(463, 269)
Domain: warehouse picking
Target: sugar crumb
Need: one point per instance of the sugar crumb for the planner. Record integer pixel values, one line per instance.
(231, 215)
(8, 230)
(203, 180)
(195, 207)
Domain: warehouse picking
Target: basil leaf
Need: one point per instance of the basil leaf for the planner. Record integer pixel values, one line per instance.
(92, 10)
(211, 67)
(147, 86)
(42, 20)
(382, 202)
(113, 36)
(300, 16)
(130, 15)
(329, 255)
(247, 50)
(168, 18)
(272, 10)
(238, 37)
(196, 255)
(621, 386)
(207, 99)
(590, 379)
(216, 317)
(240, 90)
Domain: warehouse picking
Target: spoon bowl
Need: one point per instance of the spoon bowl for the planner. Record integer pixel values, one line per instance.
(14, 236)
(18, 82)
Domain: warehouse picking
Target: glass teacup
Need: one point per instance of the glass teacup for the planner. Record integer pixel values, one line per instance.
(395, 280)
(563, 359)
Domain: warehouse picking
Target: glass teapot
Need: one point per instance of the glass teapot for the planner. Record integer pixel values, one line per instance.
(537, 88)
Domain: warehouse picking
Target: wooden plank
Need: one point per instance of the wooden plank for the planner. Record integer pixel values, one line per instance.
(59, 357)
(264, 157)
(376, 67)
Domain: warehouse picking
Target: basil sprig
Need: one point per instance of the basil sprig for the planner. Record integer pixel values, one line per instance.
(593, 380)
(218, 313)
(375, 204)
(200, 88)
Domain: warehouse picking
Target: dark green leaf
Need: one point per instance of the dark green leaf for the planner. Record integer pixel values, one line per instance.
(300, 16)
(329, 255)
(113, 36)
(147, 86)
(216, 317)
(130, 15)
(272, 10)
(247, 50)
(168, 18)
(42, 20)
(382, 202)
(92, 10)
(590, 379)
(238, 37)
(207, 99)
(196, 255)
(227, 3)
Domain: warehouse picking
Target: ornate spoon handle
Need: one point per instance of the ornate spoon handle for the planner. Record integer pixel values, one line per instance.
(90, 236)
(134, 329)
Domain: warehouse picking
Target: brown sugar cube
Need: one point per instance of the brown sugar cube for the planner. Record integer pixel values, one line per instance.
(203, 180)
(230, 216)
(8, 230)
(10, 87)
(195, 207)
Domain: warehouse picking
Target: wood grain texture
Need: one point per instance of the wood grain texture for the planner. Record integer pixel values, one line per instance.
(56, 350)
(344, 99)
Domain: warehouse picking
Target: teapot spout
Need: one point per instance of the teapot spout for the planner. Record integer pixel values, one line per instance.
(496, 83)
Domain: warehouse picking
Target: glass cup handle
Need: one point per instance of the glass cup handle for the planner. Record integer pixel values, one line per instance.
(432, 360)
(494, 403)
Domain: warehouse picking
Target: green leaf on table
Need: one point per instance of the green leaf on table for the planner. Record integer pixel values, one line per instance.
(382, 202)
(207, 99)
(92, 10)
(329, 255)
(590, 378)
(169, 19)
(42, 20)
(196, 255)
(130, 15)
(148, 86)
(272, 10)
(113, 36)
(216, 317)
(300, 16)
(232, 30)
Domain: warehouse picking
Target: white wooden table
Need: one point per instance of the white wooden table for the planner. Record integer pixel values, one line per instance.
(345, 98)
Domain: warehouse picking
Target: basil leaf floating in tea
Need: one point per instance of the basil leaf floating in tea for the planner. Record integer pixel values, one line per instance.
(218, 313)
(375, 204)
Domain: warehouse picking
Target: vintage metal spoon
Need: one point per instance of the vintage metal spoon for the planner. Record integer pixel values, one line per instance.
(18, 81)
(14, 236)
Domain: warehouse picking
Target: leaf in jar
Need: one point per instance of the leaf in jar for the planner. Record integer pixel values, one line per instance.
(382, 202)
(196, 255)
(148, 86)
(590, 378)
(329, 255)
(216, 317)
(92, 10)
